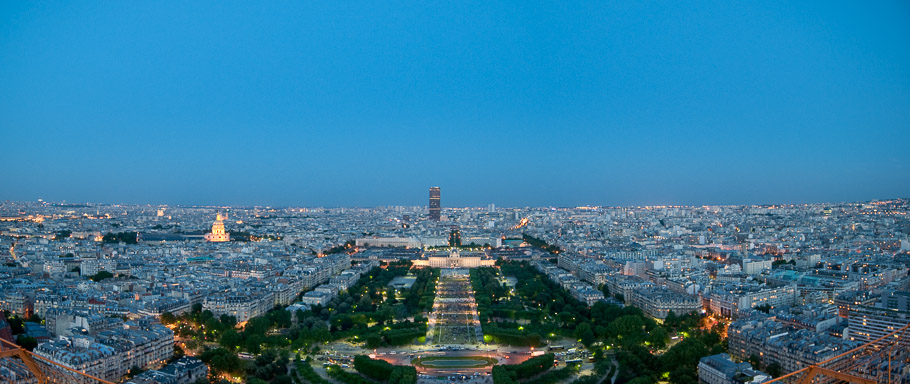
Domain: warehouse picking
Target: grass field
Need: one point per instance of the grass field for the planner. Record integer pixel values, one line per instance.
(453, 361)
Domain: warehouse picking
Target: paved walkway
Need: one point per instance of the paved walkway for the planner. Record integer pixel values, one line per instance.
(454, 319)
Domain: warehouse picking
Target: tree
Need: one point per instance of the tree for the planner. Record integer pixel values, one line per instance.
(321, 333)
(254, 343)
(134, 371)
(222, 360)
(268, 366)
(682, 360)
(15, 325)
(205, 315)
(168, 318)
(455, 238)
(671, 321)
(501, 375)
(584, 333)
(533, 366)
(774, 369)
(178, 353)
(377, 369)
(230, 339)
(374, 341)
(684, 375)
(280, 319)
(282, 379)
(27, 342)
(101, 275)
(627, 329)
(212, 326)
(755, 361)
(228, 321)
(124, 237)
(658, 337)
(766, 308)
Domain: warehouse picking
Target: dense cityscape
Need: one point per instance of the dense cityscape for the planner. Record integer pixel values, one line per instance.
(147, 294)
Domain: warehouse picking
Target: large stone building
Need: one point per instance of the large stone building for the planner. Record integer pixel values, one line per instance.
(184, 371)
(110, 354)
(742, 299)
(243, 306)
(867, 323)
(720, 369)
(658, 302)
(791, 348)
(454, 259)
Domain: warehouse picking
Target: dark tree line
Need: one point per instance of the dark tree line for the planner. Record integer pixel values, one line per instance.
(121, 237)
(383, 371)
(512, 374)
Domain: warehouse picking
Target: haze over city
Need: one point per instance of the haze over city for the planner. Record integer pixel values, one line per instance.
(509, 103)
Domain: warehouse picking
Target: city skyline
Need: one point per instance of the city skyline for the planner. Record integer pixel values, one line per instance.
(509, 103)
(457, 207)
(230, 295)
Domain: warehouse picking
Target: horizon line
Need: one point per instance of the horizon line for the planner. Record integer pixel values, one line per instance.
(583, 206)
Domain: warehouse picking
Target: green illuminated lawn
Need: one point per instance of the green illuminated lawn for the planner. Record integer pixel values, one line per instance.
(453, 361)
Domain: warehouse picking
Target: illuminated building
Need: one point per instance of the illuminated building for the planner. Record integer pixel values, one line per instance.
(793, 349)
(730, 301)
(658, 302)
(405, 242)
(869, 323)
(218, 235)
(109, 354)
(243, 306)
(454, 259)
(435, 206)
(720, 369)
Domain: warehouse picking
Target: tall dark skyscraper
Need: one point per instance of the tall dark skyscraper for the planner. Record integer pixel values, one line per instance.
(435, 207)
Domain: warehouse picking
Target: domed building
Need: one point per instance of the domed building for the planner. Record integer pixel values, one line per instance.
(218, 234)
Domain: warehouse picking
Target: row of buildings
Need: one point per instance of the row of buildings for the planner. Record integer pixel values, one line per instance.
(108, 354)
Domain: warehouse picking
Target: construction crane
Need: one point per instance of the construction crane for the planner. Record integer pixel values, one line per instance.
(9, 350)
(865, 364)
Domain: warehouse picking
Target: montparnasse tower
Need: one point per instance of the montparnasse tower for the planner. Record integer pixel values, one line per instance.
(218, 235)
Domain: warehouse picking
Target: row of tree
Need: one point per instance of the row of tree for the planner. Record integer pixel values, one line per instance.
(305, 370)
(121, 237)
(369, 309)
(535, 242)
(378, 313)
(383, 371)
(548, 309)
(512, 374)
(639, 339)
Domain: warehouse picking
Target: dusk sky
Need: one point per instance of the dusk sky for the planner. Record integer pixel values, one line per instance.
(513, 103)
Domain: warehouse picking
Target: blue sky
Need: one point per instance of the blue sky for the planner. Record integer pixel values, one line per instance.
(512, 103)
